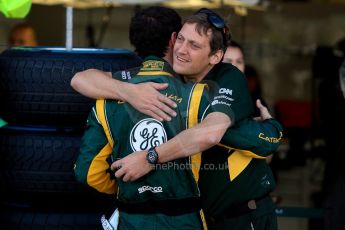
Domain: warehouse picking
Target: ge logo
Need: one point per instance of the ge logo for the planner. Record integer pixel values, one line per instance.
(147, 133)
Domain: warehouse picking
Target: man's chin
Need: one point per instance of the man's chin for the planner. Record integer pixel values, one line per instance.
(179, 70)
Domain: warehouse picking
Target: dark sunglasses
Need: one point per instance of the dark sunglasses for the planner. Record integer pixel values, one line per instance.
(217, 22)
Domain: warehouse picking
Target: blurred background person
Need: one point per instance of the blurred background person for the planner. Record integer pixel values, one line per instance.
(22, 34)
(235, 55)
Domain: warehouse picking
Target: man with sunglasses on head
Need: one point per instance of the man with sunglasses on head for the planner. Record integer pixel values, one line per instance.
(236, 197)
(198, 50)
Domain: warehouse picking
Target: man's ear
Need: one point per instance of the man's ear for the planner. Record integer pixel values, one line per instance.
(217, 57)
(172, 39)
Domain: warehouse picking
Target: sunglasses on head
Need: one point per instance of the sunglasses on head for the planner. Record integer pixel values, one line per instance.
(216, 21)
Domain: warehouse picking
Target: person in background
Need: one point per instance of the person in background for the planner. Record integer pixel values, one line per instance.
(22, 34)
(235, 55)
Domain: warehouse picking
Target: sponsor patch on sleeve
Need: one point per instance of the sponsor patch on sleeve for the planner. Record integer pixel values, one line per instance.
(223, 97)
(153, 66)
(126, 75)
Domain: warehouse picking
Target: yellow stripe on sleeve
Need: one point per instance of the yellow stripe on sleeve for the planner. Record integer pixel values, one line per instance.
(97, 176)
(100, 108)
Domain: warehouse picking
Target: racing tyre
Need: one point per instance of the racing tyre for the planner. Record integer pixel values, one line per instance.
(36, 220)
(36, 168)
(35, 83)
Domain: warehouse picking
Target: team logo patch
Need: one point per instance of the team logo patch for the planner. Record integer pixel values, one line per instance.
(147, 133)
(153, 66)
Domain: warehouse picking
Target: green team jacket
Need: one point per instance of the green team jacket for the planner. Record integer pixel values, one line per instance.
(259, 138)
(252, 140)
(116, 128)
(239, 175)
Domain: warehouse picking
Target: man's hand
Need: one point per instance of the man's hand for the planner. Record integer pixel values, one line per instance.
(132, 167)
(147, 99)
(144, 97)
(264, 114)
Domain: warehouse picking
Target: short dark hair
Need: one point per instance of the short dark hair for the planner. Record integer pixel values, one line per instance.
(151, 28)
(203, 26)
(237, 45)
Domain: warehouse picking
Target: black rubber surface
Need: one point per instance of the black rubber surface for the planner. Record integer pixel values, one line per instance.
(36, 220)
(35, 83)
(36, 168)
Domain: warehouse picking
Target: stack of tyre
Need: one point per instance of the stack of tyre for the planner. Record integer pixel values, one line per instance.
(40, 145)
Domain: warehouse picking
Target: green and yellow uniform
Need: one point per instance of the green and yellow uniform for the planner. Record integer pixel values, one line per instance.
(235, 196)
(168, 197)
(97, 145)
